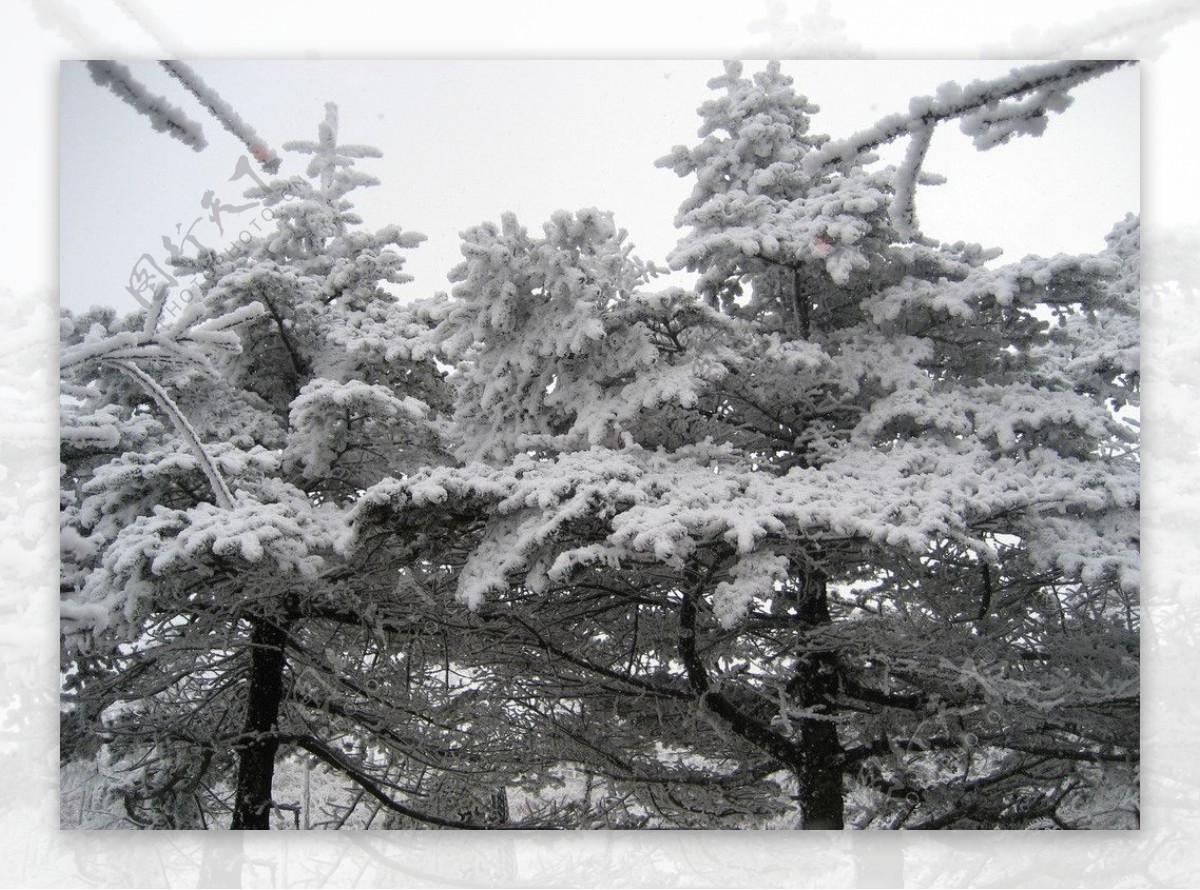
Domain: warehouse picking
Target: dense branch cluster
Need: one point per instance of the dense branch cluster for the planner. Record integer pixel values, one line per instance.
(846, 537)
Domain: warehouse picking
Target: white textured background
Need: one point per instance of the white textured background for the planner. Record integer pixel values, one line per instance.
(36, 34)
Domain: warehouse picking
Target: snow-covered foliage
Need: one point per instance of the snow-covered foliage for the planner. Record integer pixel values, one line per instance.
(206, 464)
(847, 536)
(557, 348)
(754, 206)
(805, 508)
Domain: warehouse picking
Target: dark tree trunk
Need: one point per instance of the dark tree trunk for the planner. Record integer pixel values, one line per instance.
(498, 807)
(815, 761)
(820, 778)
(815, 685)
(801, 307)
(256, 758)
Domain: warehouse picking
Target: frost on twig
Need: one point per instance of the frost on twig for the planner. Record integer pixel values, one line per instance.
(990, 112)
(220, 487)
(329, 155)
(186, 341)
(223, 112)
(164, 117)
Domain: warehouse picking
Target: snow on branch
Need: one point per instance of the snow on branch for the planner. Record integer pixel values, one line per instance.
(903, 208)
(991, 112)
(981, 105)
(221, 490)
(331, 160)
(182, 340)
(164, 117)
(223, 112)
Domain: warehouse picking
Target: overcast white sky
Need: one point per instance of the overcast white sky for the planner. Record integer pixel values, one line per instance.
(465, 141)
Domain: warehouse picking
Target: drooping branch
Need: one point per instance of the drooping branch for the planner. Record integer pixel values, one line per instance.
(643, 686)
(190, 338)
(224, 497)
(907, 701)
(333, 759)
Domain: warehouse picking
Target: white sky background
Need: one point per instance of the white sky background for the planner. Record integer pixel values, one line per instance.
(465, 141)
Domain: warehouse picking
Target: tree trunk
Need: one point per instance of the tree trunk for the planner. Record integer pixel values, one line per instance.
(801, 307)
(256, 759)
(820, 779)
(815, 685)
(815, 761)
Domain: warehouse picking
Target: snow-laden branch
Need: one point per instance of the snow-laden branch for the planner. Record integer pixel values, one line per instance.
(980, 105)
(182, 340)
(331, 160)
(903, 207)
(220, 487)
(224, 113)
(186, 340)
(164, 117)
(991, 112)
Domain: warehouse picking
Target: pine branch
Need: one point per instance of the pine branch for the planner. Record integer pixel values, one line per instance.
(224, 113)
(163, 116)
(928, 111)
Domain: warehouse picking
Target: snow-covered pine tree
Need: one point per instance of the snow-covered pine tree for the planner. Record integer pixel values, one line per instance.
(860, 544)
(814, 229)
(867, 537)
(210, 619)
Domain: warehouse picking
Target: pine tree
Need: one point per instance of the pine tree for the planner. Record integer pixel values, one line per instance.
(208, 461)
(846, 536)
(865, 536)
